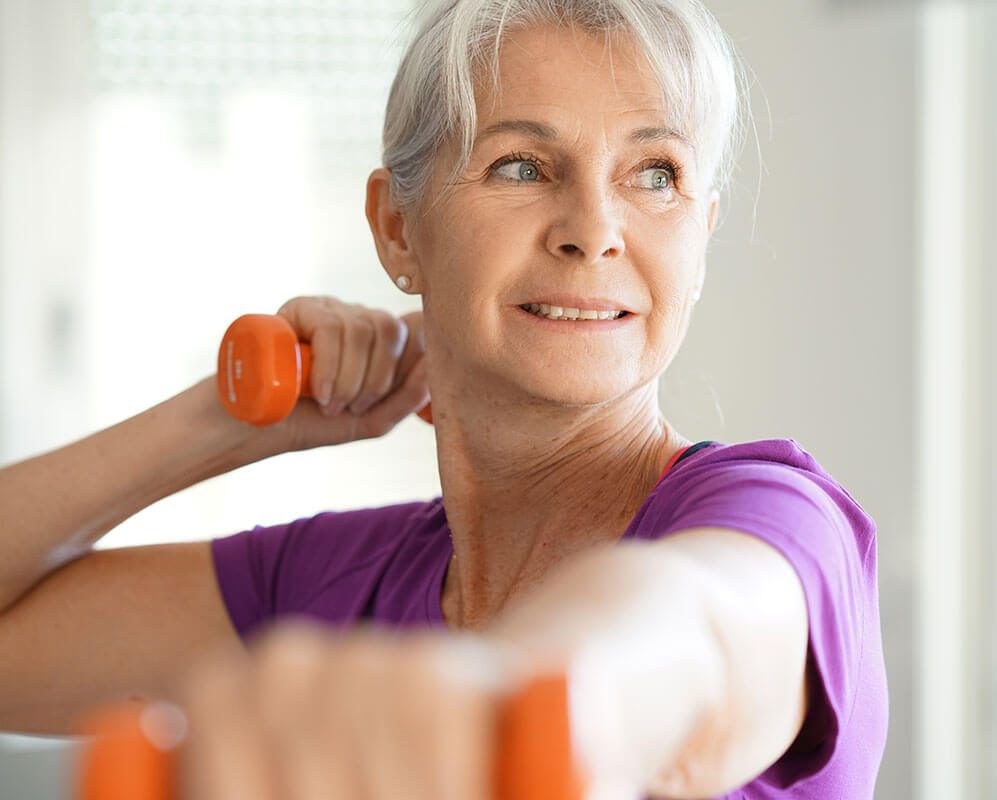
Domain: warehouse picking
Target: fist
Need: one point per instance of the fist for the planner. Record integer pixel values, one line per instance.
(313, 715)
(368, 371)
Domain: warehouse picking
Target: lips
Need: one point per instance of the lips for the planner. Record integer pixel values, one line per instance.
(578, 301)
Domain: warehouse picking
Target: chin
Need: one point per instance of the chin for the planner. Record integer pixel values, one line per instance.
(576, 390)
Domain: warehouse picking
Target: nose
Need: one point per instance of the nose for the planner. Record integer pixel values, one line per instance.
(589, 226)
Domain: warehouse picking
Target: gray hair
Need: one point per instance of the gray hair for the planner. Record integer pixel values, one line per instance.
(432, 95)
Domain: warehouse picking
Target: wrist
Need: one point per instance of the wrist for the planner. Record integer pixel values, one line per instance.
(239, 441)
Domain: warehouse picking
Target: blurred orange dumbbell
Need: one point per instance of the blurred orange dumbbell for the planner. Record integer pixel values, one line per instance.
(133, 752)
(263, 369)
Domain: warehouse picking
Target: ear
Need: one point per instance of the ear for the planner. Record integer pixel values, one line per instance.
(392, 231)
(714, 204)
(711, 220)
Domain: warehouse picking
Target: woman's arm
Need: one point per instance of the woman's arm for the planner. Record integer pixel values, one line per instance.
(57, 505)
(698, 639)
(81, 627)
(684, 660)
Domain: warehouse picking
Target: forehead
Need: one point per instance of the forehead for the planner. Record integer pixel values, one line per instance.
(563, 69)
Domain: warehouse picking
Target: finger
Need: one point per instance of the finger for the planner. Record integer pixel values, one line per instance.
(465, 745)
(307, 314)
(410, 396)
(390, 336)
(305, 739)
(318, 321)
(433, 734)
(387, 755)
(477, 675)
(327, 349)
(226, 755)
(399, 707)
(358, 339)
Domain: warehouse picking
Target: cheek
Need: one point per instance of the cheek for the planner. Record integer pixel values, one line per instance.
(458, 268)
(476, 246)
(462, 233)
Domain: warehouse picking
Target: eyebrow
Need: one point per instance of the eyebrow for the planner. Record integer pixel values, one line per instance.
(539, 130)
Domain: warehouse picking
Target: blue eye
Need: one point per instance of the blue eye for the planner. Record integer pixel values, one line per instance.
(661, 174)
(661, 177)
(527, 170)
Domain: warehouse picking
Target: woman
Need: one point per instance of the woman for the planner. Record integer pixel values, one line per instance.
(551, 180)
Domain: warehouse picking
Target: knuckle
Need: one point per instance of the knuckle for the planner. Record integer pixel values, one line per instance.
(289, 665)
(289, 648)
(290, 304)
(389, 326)
(382, 387)
(363, 330)
(332, 325)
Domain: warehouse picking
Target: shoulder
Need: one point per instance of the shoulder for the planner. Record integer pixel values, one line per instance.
(751, 484)
(780, 451)
(776, 491)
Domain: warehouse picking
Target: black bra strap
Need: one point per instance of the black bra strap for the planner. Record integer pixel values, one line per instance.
(693, 448)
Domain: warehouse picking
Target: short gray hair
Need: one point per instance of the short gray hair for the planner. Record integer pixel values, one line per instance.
(432, 95)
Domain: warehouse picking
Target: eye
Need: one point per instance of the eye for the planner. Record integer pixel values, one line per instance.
(517, 167)
(658, 175)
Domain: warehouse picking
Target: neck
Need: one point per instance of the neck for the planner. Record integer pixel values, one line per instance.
(526, 486)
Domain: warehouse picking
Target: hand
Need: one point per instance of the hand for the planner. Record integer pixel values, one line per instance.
(362, 715)
(368, 371)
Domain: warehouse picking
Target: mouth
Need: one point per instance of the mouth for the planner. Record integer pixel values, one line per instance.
(561, 313)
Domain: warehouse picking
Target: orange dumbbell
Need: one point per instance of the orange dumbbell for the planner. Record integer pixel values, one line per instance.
(263, 369)
(132, 754)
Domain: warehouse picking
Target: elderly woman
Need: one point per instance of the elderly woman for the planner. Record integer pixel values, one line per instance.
(551, 182)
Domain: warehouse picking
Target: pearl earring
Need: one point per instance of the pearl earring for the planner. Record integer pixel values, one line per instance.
(403, 282)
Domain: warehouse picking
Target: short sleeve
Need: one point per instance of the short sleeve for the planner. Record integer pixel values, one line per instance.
(326, 567)
(827, 538)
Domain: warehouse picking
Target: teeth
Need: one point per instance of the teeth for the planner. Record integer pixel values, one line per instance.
(573, 314)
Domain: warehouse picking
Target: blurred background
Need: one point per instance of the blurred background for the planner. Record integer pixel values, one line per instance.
(168, 166)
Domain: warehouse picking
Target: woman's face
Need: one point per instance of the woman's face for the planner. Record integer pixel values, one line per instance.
(569, 200)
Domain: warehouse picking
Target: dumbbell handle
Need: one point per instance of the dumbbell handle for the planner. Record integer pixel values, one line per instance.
(132, 754)
(263, 369)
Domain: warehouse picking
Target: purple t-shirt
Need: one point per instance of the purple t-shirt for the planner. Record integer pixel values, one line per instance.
(387, 565)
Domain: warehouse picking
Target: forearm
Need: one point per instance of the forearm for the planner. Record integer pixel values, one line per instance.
(56, 505)
(634, 623)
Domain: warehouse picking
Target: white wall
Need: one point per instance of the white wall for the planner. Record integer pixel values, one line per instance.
(806, 326)
(812, 326)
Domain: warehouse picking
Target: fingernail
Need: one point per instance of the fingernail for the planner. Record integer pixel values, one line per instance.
(335, 409)
(325, 393)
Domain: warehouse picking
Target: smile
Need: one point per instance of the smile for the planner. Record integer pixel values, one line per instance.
(570, 314)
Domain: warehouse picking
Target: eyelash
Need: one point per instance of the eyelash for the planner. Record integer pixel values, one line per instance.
(664, 163)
